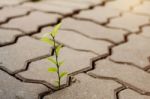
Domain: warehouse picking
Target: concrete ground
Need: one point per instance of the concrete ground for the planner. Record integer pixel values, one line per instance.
(106, 49)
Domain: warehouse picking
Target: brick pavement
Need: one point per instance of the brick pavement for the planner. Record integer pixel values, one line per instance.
(106, 49)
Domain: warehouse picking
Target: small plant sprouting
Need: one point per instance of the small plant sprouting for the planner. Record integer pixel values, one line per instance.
(50, 39)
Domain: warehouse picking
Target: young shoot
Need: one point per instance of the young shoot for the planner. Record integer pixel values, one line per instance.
(50, 39)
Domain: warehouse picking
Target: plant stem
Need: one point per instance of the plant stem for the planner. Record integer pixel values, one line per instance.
(57, 64)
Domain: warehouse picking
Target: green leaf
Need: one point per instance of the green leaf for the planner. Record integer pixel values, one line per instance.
(61, 63)
(47, 40)
(58, 49)
(63, 74)
(52, 69)
(55, 30)
(52, 60)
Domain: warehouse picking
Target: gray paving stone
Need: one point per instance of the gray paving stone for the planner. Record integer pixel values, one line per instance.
(74, 61)
(129, 21)
(135, 51)
(13, 57)
(77, 41)
(32, 22)
(9, 12)
(98, 14)
(10, 88)
(68, 4)
(49, 7)
(123, 4)
(1, 5)
(11, 2)
(88, 1)
(129, 94)
(93, 30)
(144, 8)
(131, 76)
(145, 31)
(87, 88)
(7, 36)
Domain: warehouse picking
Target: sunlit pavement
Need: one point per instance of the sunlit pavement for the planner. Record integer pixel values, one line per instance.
(106, 49)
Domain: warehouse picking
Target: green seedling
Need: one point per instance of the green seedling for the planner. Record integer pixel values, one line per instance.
(50, 39)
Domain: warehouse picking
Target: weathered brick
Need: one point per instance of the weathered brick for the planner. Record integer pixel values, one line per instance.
(8, 36)
(10, 12)
(77, 41)
(13, 57)
(11, 2)
(74, 61)
(93, 30)
(145, 31)
(123, 4)
(135, 51)
(99, 14)
(129, 75)
(10, 88)
(129, 94)
(87, 88)
(143, 9)
(32, 22)
(129, 21)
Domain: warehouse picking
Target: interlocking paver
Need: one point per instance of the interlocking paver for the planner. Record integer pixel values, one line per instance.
(8, 36)
(93, 30)
(123, 4)
(129, 75)
(144, 8)
(67, 4)
(13, 57)
(129, 21)
(74, 61)
(85, 37)
(11, 2)
(98, 14)
(10, 88)
(87, 88)
(129, 94)
(87, 1)
(32, 22)
(9, 12)
(135, 51)
(80, 42)
(145, 31)
(48, 7)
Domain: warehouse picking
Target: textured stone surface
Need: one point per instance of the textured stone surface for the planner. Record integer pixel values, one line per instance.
(99, 14)
(135, 51)
(67, 4)
(7, 36)
(129, 21)
(87, 88)
(101, 33)
(32, 22)
(77, 41)
(93, 30)
(91, 2)
(11, 2)
(10, 88)
(74, 61)
(144, 8)
(48, 7)
(129, 94)
(123, 4)
(10, 12)
(132, 76)
(146, 31)
(13, 57)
